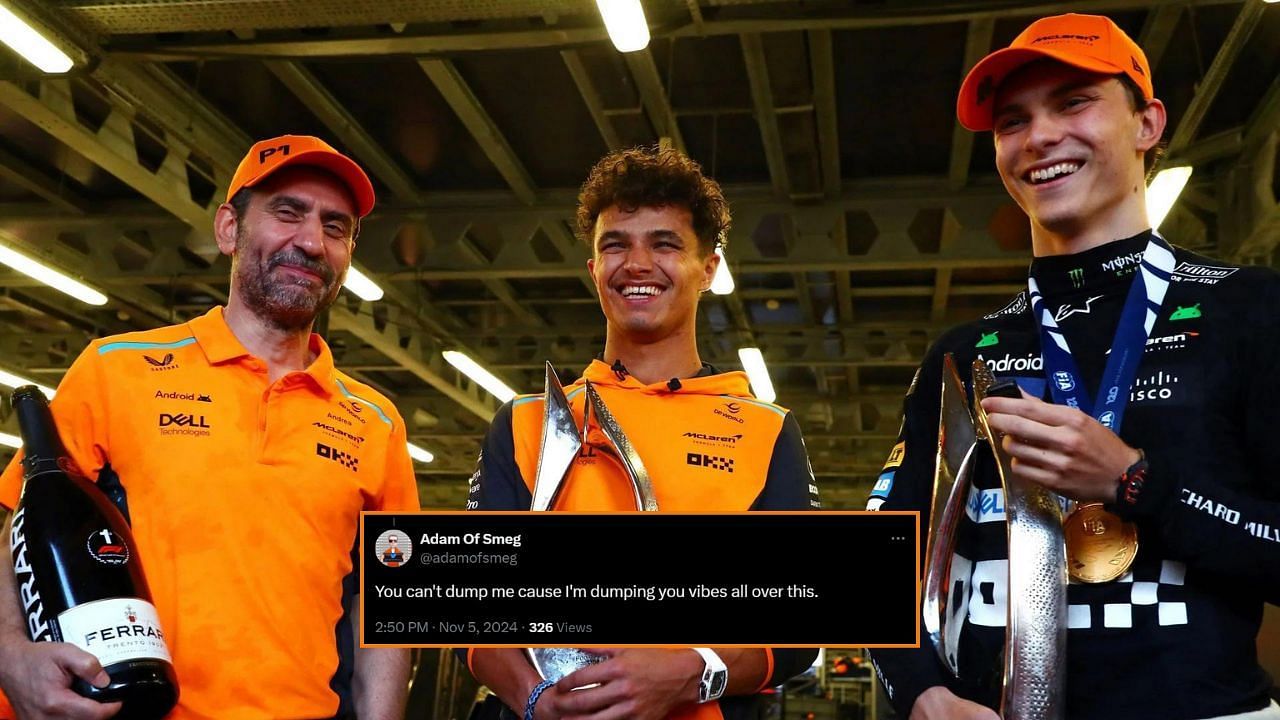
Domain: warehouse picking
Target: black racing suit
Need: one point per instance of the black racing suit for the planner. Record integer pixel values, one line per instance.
(1175, 637)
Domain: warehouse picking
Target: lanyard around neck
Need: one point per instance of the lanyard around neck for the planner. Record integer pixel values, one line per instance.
(1141, 308)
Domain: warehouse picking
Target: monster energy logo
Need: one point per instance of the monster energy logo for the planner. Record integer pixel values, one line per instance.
(1077, 277)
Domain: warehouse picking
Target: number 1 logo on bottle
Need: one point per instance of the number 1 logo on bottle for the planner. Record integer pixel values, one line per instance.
(108, 548)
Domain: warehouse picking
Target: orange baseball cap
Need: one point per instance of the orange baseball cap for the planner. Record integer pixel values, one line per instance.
(268, 156)
(1089, 42)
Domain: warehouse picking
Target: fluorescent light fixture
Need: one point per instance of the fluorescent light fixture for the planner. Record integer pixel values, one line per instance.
(419, 454)
(722, 283)
(753, 363)
(30, 44)
(360, 284)
(47, 275)
(12, 441)
(486, 379)
(8, 379)
(624, 19)
(1163, 192)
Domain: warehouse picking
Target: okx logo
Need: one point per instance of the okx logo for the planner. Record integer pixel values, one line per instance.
(714, 462)
(346, 460)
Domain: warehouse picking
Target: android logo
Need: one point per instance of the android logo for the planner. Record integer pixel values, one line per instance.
(1186, 313)
(988, 340)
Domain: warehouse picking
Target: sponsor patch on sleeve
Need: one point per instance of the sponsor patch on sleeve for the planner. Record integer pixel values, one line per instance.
(883, 485)
(895, 457)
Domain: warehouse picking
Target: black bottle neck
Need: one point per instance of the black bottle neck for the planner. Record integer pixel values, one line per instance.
(41, 444)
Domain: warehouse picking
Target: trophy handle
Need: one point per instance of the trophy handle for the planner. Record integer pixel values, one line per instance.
(641, 486)
(1036, 631)
(561, 441)
(957, 441)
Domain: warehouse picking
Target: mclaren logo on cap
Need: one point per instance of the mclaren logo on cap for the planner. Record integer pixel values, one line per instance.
(1059, 37)
(265, 153)
(984, 88)
(1136, 65)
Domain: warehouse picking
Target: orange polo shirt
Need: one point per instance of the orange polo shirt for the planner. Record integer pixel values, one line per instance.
(223, 469)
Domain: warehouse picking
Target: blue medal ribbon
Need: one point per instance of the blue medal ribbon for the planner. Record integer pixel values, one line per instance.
(1141, 308)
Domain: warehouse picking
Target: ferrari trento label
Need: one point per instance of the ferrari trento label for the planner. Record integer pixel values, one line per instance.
(115, 630)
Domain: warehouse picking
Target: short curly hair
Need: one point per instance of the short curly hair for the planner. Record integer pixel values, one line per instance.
(654, 176)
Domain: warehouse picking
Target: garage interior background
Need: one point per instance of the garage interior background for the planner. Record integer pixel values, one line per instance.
(866, 220)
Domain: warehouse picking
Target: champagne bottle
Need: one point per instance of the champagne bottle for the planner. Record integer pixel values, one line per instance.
(79, 576)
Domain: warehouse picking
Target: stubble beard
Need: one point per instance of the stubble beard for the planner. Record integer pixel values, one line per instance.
(286, 306)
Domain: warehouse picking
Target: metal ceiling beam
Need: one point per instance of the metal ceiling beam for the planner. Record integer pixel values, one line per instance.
(502, 290)
(1264, 122)
(822, 68)
(379, 44)
(947, 235)
(766, 114)
(804, 298)
(482, 127)
(154, 90)
(883, 291)
(559, 205)
(44, 245)
(112, 147)
(654, 97)
(1234, 43)
(1157, 31)
(581, 336)
(1265, 236)
(812, 251)
(1216, 147)
(415, 351)
(695, 11)
(788, 346)
(591, 98)
(476, 119)
(890, 291)
(977, 44)
(20, 173)
(302, 83)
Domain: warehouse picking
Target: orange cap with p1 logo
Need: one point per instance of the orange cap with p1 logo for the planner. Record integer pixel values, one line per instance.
(1089, 42)
(268, 156)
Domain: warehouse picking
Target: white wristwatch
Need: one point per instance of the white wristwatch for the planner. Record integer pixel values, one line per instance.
(715, 676)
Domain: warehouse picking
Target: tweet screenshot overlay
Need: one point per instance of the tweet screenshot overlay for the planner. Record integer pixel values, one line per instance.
(524, 579)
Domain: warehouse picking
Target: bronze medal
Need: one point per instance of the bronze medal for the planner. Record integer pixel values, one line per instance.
(1100, 546)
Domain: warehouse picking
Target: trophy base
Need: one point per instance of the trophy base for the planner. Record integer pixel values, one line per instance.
(555, 663)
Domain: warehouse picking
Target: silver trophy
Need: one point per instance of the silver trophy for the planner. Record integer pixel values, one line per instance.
(1035, 631)
(562, 439)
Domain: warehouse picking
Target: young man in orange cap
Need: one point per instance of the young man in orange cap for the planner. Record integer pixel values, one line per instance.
(1149, 390)
(653, 221)
(250, 636)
